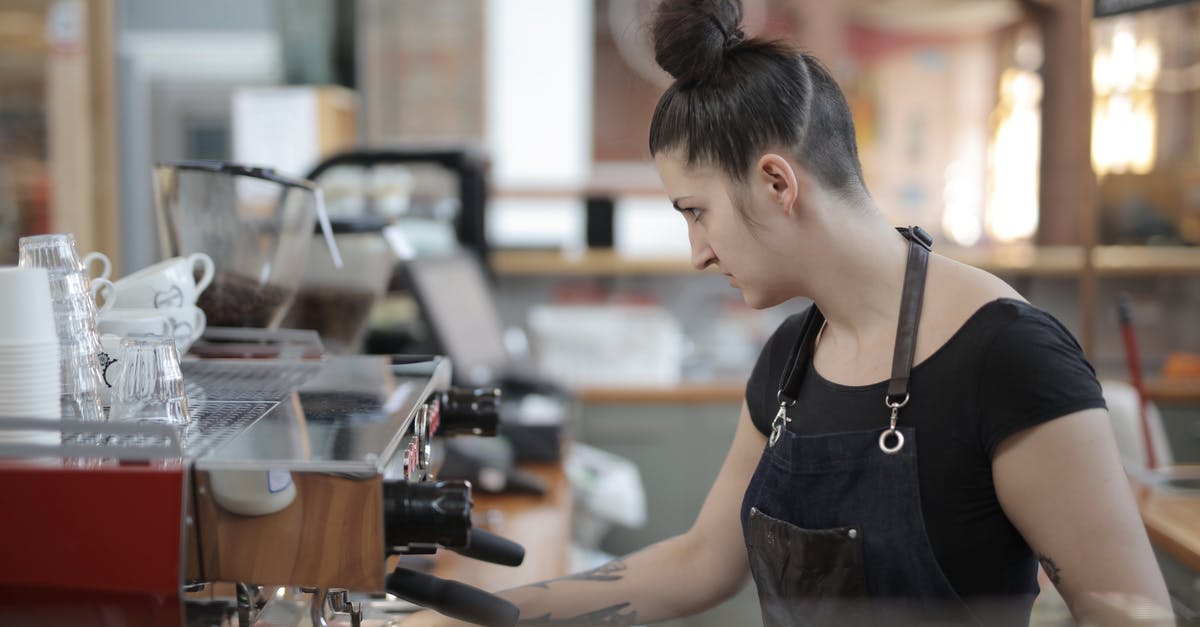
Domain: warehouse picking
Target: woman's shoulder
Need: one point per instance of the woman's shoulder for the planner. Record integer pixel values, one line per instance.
(963, 288)
(961, 300)
(972, 310)
(964, 294)
(1009, 336)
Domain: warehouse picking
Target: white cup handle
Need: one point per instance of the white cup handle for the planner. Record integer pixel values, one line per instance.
(105, 288)
(207, 270)
(201, 324)
(106, 265)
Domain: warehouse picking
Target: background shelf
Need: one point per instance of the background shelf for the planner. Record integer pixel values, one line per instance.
(1046, 261)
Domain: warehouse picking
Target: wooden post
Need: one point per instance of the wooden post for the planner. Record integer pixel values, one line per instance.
(1067, 184)
(81, 112)
(105, 177)
(1086, 181)
(69, 127)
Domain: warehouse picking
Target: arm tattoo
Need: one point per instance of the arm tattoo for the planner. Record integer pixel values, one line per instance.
(612, 571)
(1053, 573)
(606, 617)
(610, 616)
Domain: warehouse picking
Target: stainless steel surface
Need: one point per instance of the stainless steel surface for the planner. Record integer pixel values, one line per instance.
(342, 415)
(316, 608)
(245, 602)
(143, 441)
(223, 380)
(216, 423)
(348, 416)
(289, 490)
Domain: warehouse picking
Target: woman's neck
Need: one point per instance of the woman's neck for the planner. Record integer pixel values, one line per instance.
(860, 291)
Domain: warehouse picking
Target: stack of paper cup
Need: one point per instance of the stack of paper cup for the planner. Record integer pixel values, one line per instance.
(29, 353)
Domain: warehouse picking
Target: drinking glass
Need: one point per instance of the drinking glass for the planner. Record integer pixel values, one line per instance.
(148, 385)
(74, 303)
(58, 253)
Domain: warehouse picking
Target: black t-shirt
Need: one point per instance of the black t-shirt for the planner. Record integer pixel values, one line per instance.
(1009, 367)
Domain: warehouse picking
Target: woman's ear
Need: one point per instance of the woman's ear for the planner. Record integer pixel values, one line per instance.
(781, 181)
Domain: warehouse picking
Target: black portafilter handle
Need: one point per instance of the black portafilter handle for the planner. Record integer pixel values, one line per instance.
(469, 411)
(486, 546)
(427, 513)
(452, 598)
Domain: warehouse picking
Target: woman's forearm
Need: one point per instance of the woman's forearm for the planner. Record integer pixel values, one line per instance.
(659, 582)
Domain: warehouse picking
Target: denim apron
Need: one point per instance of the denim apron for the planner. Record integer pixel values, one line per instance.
(833, 523)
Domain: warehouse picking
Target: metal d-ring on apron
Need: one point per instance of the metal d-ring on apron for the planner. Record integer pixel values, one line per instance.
(890, 440)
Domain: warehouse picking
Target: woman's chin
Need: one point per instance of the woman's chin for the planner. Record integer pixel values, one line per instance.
(755, 300)
(759, 300)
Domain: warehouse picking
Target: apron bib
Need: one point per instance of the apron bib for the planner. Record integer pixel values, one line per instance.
(833, 523)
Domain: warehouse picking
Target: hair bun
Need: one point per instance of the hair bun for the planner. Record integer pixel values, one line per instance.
(734, 37)
(691, 37)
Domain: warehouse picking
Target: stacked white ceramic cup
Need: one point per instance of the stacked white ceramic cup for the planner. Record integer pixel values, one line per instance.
(29, 361)
(73, 296)
(168, 290)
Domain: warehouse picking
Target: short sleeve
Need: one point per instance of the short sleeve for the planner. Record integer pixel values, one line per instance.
(1033, 372)
(764, 378)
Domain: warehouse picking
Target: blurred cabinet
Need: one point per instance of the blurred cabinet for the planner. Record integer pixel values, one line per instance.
(1183, 585)
(293, 128)
(1182, 424)
(678, 445)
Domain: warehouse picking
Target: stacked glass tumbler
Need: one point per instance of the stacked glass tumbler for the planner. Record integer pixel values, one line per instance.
(75, 319)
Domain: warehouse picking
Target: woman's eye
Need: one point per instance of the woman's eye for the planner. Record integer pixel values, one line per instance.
(695, 212)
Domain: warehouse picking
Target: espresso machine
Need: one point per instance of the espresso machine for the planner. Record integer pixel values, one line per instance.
(293, 484)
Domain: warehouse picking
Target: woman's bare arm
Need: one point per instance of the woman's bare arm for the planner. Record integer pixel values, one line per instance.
(1062, 485)
(676, 577)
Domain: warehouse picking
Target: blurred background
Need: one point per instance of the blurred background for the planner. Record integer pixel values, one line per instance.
(973, 120)
(1055, 143)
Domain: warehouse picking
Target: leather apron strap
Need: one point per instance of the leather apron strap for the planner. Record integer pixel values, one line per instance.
(912, 294)
(910, 312)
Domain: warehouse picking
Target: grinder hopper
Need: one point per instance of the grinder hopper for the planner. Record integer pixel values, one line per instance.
(255, 224)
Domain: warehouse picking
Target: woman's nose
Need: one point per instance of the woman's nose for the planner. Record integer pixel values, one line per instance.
(702, 254)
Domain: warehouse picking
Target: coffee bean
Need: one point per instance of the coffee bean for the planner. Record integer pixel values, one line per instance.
(237, 301)
(339, 315)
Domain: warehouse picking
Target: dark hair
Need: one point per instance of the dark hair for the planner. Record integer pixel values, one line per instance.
(734, 98)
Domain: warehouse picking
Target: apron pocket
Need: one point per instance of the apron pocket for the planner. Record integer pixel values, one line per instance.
(807, 576)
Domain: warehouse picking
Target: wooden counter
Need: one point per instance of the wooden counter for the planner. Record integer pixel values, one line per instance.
(542, 524)
(1173, 390)
(1172, 521)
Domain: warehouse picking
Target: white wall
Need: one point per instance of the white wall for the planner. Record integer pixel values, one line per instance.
(538, 68)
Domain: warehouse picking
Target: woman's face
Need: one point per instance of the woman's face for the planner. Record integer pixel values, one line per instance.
(719, 234)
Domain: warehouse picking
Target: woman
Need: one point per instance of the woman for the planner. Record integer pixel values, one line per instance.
(912, 445)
